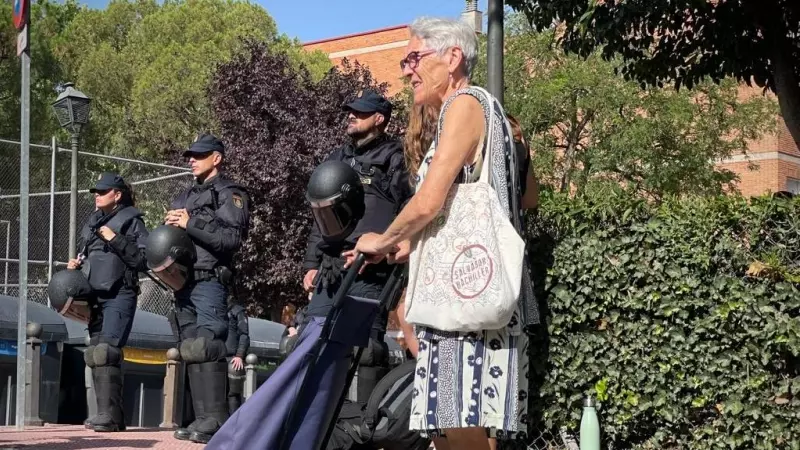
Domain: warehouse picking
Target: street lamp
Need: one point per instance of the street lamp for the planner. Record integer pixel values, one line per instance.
(72, 111)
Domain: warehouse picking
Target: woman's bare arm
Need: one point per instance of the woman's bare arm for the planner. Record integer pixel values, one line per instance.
(463, 127)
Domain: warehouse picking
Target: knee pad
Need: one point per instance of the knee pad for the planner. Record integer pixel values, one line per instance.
(88, 356)
(107, 355)
(201, 350)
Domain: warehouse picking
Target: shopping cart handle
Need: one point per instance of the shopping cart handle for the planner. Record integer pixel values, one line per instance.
(349, 279)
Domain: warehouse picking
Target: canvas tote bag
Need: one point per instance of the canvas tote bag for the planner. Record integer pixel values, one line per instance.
(465, 270)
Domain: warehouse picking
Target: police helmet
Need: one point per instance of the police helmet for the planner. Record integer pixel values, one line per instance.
(336, 196)
(70, 293)
(171, 255)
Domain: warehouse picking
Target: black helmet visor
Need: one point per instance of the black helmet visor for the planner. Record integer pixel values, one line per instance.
(333, 217)
(171, 273)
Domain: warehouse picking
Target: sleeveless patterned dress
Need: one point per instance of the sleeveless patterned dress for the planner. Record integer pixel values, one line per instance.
(476, 379)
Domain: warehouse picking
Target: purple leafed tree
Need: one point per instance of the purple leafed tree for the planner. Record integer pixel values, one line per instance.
(278, 125)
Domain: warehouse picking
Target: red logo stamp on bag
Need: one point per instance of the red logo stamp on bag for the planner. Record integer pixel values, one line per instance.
(472, 271)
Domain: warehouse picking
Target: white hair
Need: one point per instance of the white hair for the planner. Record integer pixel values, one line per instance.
(440, 34)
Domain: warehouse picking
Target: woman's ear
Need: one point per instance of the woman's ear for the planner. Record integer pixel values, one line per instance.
(456, 58)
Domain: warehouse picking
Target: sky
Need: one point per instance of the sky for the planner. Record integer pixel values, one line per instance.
(310, 20)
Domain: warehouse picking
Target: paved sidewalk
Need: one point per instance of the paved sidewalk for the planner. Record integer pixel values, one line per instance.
(73, 437)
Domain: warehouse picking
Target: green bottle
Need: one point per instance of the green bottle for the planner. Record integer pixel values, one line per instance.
(590, 426)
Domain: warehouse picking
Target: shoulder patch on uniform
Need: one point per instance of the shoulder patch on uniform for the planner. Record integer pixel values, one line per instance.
(237, 201)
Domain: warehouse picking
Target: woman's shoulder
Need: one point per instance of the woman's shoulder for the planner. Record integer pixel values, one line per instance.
(467, 101)
(460, 106)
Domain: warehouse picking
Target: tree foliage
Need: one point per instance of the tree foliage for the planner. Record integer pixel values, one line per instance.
(685, 41)
(148, 66)
(50, 19)
(681, 318)
(278, 124)
(590, 128)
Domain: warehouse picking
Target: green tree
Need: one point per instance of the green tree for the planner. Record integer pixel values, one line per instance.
(589, 127)
(148, 67)
(49, 19)
(685, 41)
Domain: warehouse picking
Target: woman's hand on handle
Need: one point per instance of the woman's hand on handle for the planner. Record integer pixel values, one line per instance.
(370, 244)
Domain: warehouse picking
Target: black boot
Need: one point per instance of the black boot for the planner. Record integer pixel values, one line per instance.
(89, 422)
(184, 433)
(108, 387)
(210, 384)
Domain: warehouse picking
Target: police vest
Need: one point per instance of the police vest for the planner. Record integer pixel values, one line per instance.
(105, 268)
(376, 171)
(202, 202)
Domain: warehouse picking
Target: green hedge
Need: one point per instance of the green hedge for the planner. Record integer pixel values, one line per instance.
(681, 318)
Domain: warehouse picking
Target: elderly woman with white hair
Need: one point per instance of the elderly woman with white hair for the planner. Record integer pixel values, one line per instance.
(471, 385)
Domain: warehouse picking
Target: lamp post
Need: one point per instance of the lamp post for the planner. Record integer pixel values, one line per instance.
(495, 49)
(72, 111)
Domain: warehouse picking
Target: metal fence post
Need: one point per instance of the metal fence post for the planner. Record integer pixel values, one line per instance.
(8, 247)
(73, 199)
(250, 375)
(34, 376)
(24, 190)
(54, 150)
(169, 417)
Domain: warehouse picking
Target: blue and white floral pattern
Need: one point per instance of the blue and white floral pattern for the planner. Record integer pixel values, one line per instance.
(473, 379)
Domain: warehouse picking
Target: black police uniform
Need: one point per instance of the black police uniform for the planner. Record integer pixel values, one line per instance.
(218, 223)
(112, 269)
(381, 166)
(238, 343)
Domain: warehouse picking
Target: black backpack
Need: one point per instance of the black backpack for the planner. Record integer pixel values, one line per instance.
(381, 423)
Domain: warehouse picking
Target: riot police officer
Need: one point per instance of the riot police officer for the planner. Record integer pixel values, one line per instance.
(214, 211)
(373, 165)
(238, 344)
(111, 257)
(378, 159)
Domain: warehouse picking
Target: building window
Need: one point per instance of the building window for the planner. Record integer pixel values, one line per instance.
(793, 185)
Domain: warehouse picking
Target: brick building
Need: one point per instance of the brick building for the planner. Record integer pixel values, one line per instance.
(381, 50)
(776, 156)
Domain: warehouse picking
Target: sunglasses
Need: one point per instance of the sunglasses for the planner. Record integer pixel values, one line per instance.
(412, 59)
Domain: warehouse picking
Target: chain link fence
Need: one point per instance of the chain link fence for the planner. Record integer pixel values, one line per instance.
(155, 185)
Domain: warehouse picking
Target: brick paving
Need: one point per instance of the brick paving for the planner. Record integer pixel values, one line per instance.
(73, 437)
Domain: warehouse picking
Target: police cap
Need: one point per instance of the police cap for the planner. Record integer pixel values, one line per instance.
(369, 102)
(107, 181)
(205, 143)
